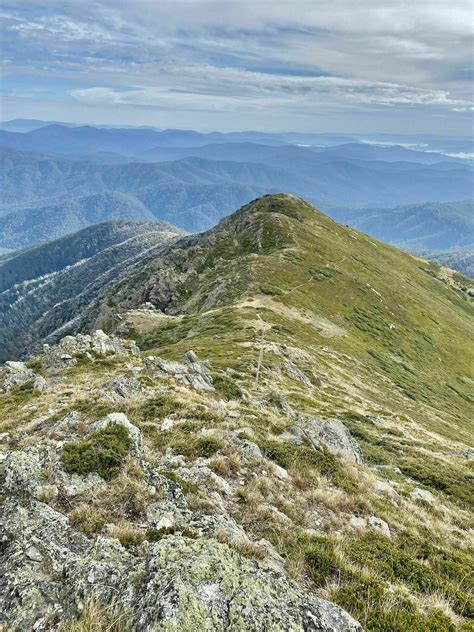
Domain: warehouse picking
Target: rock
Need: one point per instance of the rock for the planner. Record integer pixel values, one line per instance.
(293, 435)
(15, 374)
(280, 472)
(66, 353)
(385, 489)
(380, 525)
(121, 420)
(246, 448)
(167, 424)
(422, 495)
(103, 344)
(357, 522)
(49, 571)
(194, 373)
(203, 585)
(120, 388)
(295, 372)
(40, 384)
(335, 436)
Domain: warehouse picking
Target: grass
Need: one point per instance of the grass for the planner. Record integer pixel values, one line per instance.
(103, 453)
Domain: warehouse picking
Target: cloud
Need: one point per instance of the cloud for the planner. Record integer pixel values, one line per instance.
(306, 56)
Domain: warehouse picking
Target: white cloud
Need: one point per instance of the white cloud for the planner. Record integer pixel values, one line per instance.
(236, 55)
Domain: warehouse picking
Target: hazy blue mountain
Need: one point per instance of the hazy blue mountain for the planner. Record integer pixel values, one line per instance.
(33, 225)
(45, 288)
(460, 260)
(392, 153)
(418, 227)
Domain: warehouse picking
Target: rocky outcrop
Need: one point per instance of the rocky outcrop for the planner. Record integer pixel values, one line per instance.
(119, 388)
(17, 374)
(71, 349)
(50, 570)
(194, 373)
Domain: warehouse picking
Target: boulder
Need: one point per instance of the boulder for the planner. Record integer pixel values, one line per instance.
(335, 436)
(194, 373)
(14, 374)
(119, 388)
(422, 495)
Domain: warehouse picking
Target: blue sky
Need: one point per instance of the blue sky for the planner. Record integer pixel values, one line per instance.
(305, 65)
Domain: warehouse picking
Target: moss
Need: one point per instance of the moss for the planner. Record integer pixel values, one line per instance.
(102, 452)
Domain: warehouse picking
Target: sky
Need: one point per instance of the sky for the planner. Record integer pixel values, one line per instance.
(355, 66)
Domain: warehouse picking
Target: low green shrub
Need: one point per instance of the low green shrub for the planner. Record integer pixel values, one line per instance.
(102, 452)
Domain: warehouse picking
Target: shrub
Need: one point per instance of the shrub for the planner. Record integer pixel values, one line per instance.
(302, 457)
(160, 407)
(102, 452)
(227, 387)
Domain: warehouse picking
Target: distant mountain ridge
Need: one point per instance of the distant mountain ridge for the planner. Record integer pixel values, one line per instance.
(196, 192)
(417, 227)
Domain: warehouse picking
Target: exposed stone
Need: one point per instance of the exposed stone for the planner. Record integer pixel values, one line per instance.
(194, 373)
(295, 372)
(385, 489)
(167, 424)
(335, 436)
(15, 374)
(120, 388)
(280, 472)
(422, 495)
(379, 525)
(293, 435)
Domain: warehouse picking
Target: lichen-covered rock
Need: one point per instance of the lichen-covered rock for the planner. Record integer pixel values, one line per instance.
(422, 495)
(15, 374)
(194, 373)
(119, 388)
(335, 436)
(49, 571)
(71, 348)
(205, 585)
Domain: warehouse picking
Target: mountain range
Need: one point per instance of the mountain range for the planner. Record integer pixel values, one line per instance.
(46, 287)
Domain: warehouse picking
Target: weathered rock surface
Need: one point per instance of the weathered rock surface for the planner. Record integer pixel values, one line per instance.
(119, 388)
(194, 373)
(49, 571)
(71, 348)
(15, 374)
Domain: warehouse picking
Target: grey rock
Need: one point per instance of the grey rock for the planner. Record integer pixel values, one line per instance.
(120, 388)
(422, 495)
(194, 373)
(295, 372)
(15, 374)
(335, 436)
(385, 489)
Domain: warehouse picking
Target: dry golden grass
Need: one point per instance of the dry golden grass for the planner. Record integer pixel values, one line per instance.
(99, 618)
